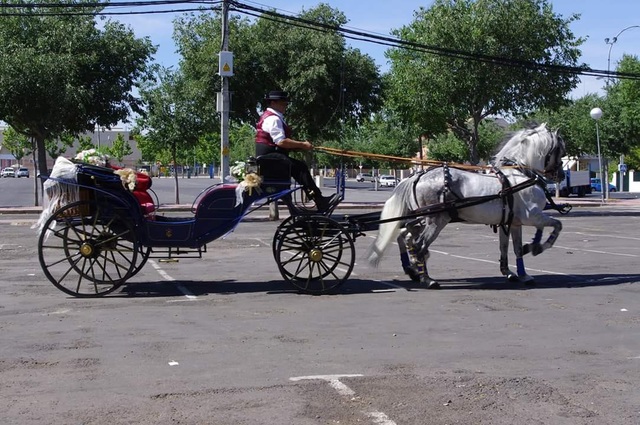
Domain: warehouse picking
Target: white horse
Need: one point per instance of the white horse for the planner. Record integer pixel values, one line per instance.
(512, 195)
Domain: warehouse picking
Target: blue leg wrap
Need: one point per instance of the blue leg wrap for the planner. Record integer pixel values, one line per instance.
(537, 237)
(404, 258)
(520, 266)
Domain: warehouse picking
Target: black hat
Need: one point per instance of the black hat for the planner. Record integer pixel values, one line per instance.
(277, 95)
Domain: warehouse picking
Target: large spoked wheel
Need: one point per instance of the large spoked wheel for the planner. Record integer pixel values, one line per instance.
(314, 253)
(87, 250)
(143, 255)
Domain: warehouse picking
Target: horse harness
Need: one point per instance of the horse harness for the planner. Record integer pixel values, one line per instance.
(451, 202)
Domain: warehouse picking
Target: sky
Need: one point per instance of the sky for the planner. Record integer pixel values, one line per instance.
(598, 20)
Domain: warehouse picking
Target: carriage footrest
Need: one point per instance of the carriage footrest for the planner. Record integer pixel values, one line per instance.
(170, 253)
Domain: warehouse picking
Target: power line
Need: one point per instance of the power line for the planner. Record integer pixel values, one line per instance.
(424, 48)
(16, 10)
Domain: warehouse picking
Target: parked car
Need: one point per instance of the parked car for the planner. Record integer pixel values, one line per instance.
(596, 186)
(386, 180)
(364, 176)
(8, 172)
(22, 172)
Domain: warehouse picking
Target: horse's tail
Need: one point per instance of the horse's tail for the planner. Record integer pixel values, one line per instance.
(396, 206)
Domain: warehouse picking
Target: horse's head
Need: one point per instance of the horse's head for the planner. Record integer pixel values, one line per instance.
(553, 158)
(538, 149)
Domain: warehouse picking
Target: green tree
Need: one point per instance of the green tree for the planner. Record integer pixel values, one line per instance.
(18, 144)
(330, 83)
(448, 147)
(440, 91)
(85, 143)
(172, 122)
(120, 148)
(576, 126)
(621, 112)
(65, 73)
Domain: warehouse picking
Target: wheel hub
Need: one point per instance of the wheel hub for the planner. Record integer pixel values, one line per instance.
(315, 255)
(86, 249)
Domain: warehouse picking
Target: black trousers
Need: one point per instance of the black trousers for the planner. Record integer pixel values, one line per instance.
(299, 171)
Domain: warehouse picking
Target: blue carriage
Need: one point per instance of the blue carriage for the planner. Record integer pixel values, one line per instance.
(96, 233)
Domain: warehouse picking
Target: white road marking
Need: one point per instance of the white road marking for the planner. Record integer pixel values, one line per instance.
(61, 311)
(262, 242)
(496, 262)
(166, 276)
(334, 381)
(596, 251)
(606, 236)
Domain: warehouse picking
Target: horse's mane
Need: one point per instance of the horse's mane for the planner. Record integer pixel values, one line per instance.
(527, 147)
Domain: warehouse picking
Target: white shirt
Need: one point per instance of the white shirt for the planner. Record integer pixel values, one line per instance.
(273, 125)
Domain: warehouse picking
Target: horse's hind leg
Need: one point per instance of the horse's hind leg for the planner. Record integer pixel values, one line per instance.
(433, 227)
(407, 258)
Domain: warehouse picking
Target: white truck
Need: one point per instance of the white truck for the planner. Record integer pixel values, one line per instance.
(576, 182)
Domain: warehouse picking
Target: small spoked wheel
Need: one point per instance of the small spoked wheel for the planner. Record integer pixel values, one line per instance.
(87, 251)
(314, 253)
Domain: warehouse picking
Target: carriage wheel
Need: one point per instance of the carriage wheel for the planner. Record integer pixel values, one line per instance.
(143, 255)
(86, 252)
(314, 253)
(280, 231)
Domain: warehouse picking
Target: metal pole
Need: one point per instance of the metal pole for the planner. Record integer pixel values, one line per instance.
(224, 111)
(611, 42)
(600, 164)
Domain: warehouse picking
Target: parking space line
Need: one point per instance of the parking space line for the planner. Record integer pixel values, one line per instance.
(342, 389)
(167, 277)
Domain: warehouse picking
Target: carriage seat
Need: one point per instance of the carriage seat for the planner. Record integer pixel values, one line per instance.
(141, 193)
(275, 173)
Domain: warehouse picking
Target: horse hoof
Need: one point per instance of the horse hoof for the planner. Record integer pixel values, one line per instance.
(433, 285)
(536, 249)
(512, 277)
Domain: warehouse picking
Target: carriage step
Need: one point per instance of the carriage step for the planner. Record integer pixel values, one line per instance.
(170, 254)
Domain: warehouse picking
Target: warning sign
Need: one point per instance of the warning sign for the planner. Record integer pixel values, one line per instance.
(225, 64)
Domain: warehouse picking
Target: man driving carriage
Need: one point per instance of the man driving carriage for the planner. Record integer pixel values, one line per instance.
(274, 141)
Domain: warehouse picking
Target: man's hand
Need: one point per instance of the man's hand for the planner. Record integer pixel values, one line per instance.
(295, 145)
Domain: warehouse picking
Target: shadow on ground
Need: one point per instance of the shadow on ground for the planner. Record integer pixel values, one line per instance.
(360, 286)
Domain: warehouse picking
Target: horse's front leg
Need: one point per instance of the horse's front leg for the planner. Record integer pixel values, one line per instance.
(516, 239)
(536, 247)
(504, 256)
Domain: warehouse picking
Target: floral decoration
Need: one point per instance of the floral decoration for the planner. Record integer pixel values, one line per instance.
(238, 171)
(128, 177)
(93, 157)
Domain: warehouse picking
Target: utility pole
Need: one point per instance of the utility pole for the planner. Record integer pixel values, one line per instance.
(225, 69)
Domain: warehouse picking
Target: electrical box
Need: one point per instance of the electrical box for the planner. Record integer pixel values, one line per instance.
(225, 64)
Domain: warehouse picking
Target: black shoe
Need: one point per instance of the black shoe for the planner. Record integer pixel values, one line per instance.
(324, 203)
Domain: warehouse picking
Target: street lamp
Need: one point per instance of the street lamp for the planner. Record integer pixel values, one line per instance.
(596, 114)
(611, 42)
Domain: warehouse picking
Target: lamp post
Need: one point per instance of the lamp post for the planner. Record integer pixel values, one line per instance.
(596, 114)
(611, 42)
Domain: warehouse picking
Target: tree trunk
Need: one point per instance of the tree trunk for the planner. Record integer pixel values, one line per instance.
(175, 175)
(35, 179)
(474, 157)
